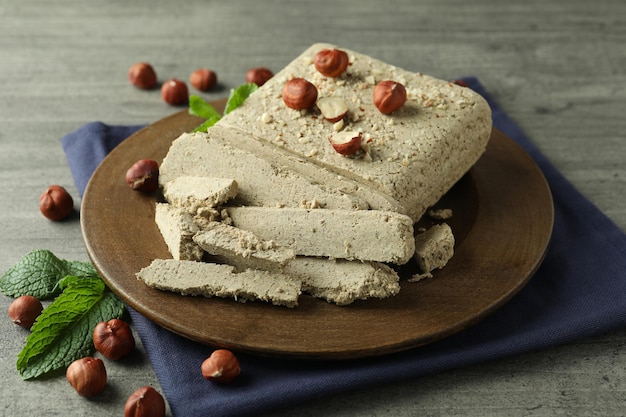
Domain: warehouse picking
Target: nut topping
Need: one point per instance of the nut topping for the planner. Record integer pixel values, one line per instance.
(346, 142)
(331, 62)
(389, 96)
(299, 94)
(332, 108)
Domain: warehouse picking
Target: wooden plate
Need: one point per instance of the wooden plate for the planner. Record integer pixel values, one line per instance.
(502, 220)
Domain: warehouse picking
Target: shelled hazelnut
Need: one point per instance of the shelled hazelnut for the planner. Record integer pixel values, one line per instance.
(258, 75)
(333, 109)
(56, 203)
(175, 92)
(203, 79)
(142, 75)
(87, 375)
(299, 94)
(346, 142)
(331, 62)
(143, 175)
(113, 339)
(24, 310)
(222, 366)
(389, 96)
(145, 402)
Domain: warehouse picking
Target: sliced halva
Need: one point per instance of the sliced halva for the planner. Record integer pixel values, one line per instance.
(337, 281)
(192, 192)
(261, 182)
(367, 235)
(434, 247)
(341, 281)
(220, 239)
(216, 280)
(178, 228)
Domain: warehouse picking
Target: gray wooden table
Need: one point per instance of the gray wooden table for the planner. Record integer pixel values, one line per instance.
(556, 66)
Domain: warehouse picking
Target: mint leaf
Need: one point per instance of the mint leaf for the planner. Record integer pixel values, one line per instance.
(207, 124)
(63, 331)
(199, 107)
(239, 95)
(85, 269)
(36, 274)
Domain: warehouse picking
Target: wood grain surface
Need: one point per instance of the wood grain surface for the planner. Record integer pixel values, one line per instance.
(557, 67)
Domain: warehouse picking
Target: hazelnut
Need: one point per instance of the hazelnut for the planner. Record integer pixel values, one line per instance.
(87, 375)
(143, 175)
(346, 142)
(389, 96)
(331, 62)
(460, 82)
(175, 92)
(113, 339)
(142, 75)
(203, 79)
(24, 310)
(258, 76)
(299, 94)
(56, 203)
(332, 108)
(222, 366)
(145, 402)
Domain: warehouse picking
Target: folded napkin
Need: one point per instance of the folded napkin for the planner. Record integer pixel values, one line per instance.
(577, 292)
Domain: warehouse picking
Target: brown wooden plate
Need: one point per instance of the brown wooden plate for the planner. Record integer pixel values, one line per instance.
(502, 221)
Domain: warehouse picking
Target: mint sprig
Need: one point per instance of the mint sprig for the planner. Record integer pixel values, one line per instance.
(238, 95)
(63, 331)
(201, 108)
(38, 274)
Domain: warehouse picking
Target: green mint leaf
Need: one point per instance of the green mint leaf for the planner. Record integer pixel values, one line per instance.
(63, 331)
(68, 280)
(239, 95)
(85, 269)
(36, 274)
(199, 107)
(207, 124)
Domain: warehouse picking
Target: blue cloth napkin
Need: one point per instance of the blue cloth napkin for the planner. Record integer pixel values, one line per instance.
(577, 292)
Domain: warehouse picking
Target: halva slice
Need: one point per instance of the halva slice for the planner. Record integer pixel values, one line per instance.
(216, 280)
(192, 192)
(367, 235)
(337, 281)
(261, 182)
(178, 228)
(232, 243)
(434, 247)
(341, 281)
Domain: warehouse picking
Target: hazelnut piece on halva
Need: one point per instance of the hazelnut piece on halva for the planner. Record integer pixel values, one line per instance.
(346, 142)
(332, 108)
